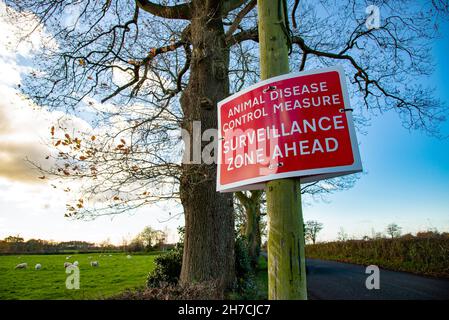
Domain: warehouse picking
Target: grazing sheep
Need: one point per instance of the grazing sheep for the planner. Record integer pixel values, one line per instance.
(76, 263)
(67, 264)
(90, 257)
(128, 256)
(68, 257)
(110, 255)
(21, 266)
(94, 263)
(38, 266)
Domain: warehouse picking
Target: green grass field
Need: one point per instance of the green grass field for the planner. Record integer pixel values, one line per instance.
(114, 274)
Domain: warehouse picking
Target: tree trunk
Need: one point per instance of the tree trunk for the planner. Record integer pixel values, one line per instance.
(209, 220)
(252, 233)
(251, 205)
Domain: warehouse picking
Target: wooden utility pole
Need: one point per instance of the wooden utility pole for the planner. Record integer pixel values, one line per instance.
(286, 260)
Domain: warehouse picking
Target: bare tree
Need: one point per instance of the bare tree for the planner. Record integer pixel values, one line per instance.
(342, 235)
(312, 228)
(393, 230)
(130, 58)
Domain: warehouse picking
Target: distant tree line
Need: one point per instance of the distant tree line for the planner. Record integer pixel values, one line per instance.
(147, 240)
(16, 244)
(312, 228)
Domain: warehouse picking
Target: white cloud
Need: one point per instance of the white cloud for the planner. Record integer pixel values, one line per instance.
(24, 126)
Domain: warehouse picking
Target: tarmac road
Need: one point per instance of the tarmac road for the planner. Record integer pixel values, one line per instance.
(329, 280)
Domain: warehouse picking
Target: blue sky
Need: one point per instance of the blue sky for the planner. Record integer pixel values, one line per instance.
(405, 179)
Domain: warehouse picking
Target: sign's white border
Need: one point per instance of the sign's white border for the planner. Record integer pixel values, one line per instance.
(307, 175)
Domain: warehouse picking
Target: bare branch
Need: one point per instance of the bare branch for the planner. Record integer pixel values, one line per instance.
(295, 6)
(239, 18)
(229, 5)
(245, 35)
(181, 11)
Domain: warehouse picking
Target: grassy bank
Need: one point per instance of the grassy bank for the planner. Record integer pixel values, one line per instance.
(426, 256)
(114, 274)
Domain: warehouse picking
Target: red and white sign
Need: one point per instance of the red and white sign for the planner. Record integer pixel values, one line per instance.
(294, 125)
